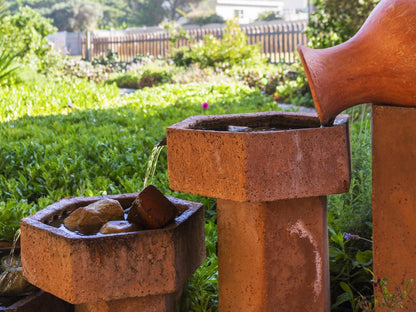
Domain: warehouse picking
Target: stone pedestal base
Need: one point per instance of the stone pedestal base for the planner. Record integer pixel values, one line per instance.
(273, 256)
(161, 303)
(394, 196)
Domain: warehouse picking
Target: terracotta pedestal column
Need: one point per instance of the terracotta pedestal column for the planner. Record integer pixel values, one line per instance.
(394, 196)
(273, 256)
(271, 188)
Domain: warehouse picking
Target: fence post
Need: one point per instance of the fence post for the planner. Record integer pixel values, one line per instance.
(88, 44)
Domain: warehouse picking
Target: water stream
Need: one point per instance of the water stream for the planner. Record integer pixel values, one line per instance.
(151, 164)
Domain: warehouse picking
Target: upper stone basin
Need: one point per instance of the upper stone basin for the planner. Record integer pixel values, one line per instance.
(91, 268)
(281, 156)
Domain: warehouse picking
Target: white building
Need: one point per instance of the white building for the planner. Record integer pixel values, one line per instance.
(247, 11)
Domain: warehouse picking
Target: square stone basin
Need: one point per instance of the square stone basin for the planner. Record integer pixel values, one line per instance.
(91, 268)
(259, 157)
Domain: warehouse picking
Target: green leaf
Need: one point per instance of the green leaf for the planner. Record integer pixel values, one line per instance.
(347, 289)
(344, 297)
(365, 258)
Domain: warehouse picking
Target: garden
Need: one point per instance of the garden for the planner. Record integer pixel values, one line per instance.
(73, 128)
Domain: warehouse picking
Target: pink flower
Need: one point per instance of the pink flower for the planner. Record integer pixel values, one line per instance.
(205, 105)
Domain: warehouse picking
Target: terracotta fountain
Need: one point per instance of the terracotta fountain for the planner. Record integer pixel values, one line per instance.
(378, 65)
(270, 173)
(137, 271)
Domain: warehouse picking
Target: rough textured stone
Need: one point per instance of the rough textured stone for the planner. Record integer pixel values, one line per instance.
(118, 226)
(143, 304)
(259, 166)
(394, 196)
(88, 269)
(88, 220)
(151, 209)
(271, 182)
(273, 254)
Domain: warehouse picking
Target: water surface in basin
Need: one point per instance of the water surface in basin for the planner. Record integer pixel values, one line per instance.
(256, 123)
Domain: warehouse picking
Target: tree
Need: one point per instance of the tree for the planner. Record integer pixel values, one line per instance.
(150, 13)
(335, 21)
(74, 15)
(174, 7)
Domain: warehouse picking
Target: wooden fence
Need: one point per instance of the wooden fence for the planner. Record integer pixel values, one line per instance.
(278, 41)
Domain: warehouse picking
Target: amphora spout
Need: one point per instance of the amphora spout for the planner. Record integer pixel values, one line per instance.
(377, 65)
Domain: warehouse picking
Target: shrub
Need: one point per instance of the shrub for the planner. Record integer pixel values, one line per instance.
(111, 62)
(83, 69)
(147, 76)
(335, 21)
(25, 33)
(231, 50)
(202, 18)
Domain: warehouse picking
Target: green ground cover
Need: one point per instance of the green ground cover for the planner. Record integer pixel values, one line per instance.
(63, 136)
(79, 138)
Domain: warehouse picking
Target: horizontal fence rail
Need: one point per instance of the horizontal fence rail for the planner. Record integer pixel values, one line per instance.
(278, 41)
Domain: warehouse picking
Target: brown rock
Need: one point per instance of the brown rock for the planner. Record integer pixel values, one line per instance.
(151, 209)
(118, 226)
(88, 220)
(108, 209)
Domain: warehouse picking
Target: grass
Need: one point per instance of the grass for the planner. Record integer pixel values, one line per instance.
(78, 138)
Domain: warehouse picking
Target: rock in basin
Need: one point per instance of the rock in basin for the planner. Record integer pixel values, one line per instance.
(88, 220)
(82, 269)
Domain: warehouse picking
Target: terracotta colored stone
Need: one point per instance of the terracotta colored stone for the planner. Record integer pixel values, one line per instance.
(259, 166)
(119, 226)
(273, 256)
(377, 65)
(394, 197)
(156, 303)
(270, 181)
(151, 209)
(94, 268)
(89, 219)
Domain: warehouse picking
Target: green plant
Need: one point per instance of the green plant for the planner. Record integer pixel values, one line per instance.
(25, 33)
(232, 49)
(335, 21)
(350, 275)
(391, 301)
(8, 64)
(111, 61)
(147, 76)
(269, 16)
(351, 212)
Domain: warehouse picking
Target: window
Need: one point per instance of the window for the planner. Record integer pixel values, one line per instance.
(239, 13)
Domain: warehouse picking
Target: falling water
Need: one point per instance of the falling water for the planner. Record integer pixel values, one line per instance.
(11, 260)
(151, 164)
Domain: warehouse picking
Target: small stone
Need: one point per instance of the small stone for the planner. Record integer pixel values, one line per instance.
(88, 220)
(151, 209)
(108, 209)
(118, 226)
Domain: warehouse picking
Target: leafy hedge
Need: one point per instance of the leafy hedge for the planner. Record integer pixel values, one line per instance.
(69, 139)
(78, 138)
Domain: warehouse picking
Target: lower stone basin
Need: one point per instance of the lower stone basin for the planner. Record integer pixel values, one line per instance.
(259, 157)
(95, 268)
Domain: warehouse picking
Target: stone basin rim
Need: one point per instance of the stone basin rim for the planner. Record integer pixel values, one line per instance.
(289, 121)
(38, 220)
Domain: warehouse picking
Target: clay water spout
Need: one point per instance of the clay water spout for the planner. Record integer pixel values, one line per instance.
(377, 65)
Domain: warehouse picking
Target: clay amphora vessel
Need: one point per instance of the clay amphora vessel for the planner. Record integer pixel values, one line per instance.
(377, 65)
